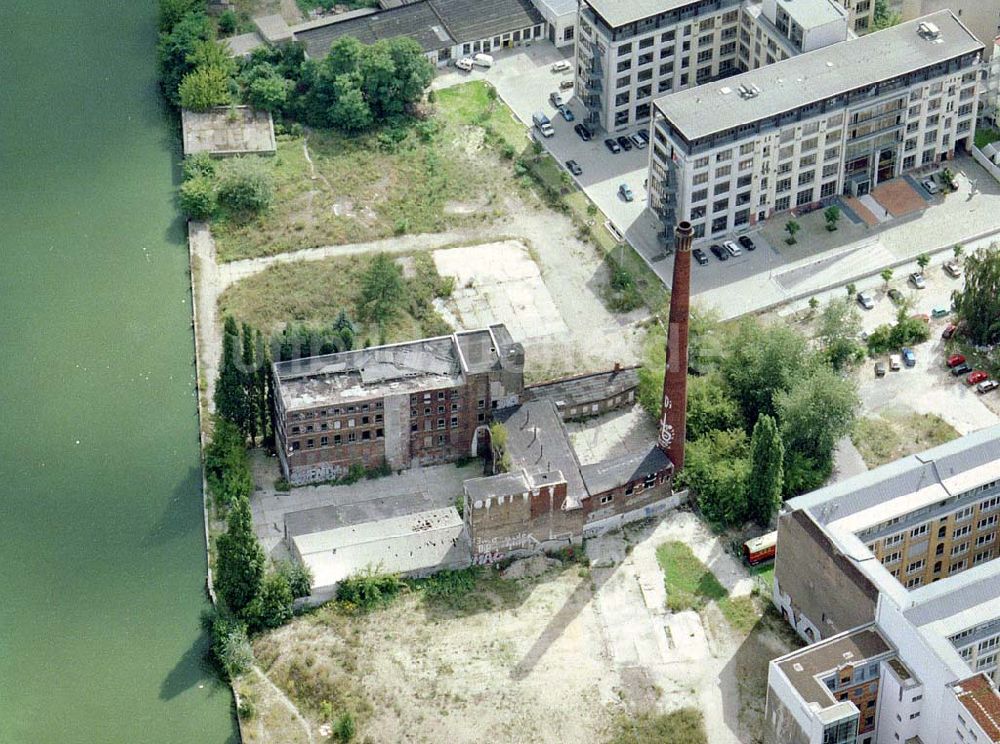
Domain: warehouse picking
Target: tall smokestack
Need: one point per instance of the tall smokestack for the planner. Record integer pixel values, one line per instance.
(674, 411)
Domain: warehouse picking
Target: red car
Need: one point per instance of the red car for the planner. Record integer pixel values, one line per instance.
(954, 360)
(949, 330)
(977, 377)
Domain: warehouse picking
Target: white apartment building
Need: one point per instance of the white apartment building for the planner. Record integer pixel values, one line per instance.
(860, 13)
(982, 17)
(836, 120)
(631, 51)
(877, 573)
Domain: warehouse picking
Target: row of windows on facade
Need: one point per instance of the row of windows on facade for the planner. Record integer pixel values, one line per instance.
(485, 45)
(706, 52)
(985, 505)
(706, 24)
(339, 424)
(324, 412)
(955, 567)
(351, 437)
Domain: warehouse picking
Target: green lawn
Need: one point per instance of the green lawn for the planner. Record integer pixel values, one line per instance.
(683, 726)
(985, 137)
(690, 585)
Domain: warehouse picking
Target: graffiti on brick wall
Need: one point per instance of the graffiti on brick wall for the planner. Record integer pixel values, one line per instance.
(485, 559)
(503, 543)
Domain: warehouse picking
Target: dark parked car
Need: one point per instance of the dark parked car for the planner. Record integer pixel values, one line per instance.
(949, 330)
(574, 167)
(960, 370)
(566, 113)
(584, 133)
(644, 133)
(626, 143)
(612, 145)
(699, 256)
(719, 252)
(895, 295)
(880, 369)
(746, 242)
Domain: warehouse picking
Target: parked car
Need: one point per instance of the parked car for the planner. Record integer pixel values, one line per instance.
(625, 192)
(556, 99)
(574, 167)
(734, 250)
(745, 241)
(949, 330)
(612, 145)
(961, 369)
(566, 85)
(542, 122)
(928, 183)
(976, 377)
(909, 358)
(880, 369)
(562, 66)
(566, 113)
(625, 142)
(954, 360)
(644, 133)
(953, 269)
(699, 256)
(865, 300)
(583, 132)
(895, 295)
(718, 252)
(917, 280)
(895, 363)
(638, 141)
(939, 312)
(483, 60)
(464, 64)
(987, 385)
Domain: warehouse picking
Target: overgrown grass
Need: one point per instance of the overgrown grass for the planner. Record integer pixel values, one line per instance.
(986, 136)
(314, 292)
(882, 439)
(683, 726)
(741, 612)
(690, 585)
(428, 177)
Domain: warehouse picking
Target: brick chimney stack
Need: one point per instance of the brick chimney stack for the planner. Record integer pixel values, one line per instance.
(674, 411)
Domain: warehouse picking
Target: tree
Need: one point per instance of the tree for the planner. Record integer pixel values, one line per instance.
(852, 289)
(886, 276)
(197, 198)
(792, 227)
(298, 576)
(262, 377)
(839, 327)
(272, 607)
(350, 111)
(176, 49)
(382, 290)
(227, 467)
(709, 406)
(883, 17)
(766, 474)
(762, 361)
(832, 215)
(230, 395)
(922, 260)
(204, 88)
(249, 370)
(245, 186)
(268, 93)
(816, 411)
(978, 304)
(228, 23)
(716, 469)
(171, 12)
(958, 250)
(239, 565)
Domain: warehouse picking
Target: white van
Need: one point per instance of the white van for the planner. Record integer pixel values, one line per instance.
(541, 121)
(483, 60)
(464, 64)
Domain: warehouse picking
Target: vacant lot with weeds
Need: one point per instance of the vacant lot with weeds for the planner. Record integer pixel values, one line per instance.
(891, 435)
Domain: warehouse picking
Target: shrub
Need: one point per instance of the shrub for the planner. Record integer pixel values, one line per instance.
(272, 607)
(199, 164)
(343, 729)
(298, 576)
(246, 185)
(230, 645)
(228, 22)
(197, 198)
(203, 88)
(368, 590)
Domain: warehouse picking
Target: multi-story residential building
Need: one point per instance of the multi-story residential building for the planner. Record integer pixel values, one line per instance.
(836, 120)
(861, 13)
(420, 402)
(631, 51)
(891, 577)
(778, 29)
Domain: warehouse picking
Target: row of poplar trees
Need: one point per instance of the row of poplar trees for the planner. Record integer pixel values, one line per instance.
(244, 393)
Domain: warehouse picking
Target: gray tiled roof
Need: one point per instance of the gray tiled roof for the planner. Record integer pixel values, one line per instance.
(604, 476)
(824, 73)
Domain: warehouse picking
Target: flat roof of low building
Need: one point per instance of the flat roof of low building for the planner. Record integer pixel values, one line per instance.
(402, 545)
(560, 7)
(815, 76)
(228, 130)
(273, 28)
(471, 21)
(243, 44)
(979, 697)
(805, 668)
(588, 388)
(812, 13)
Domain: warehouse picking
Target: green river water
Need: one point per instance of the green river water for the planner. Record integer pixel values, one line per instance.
(101, 543)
